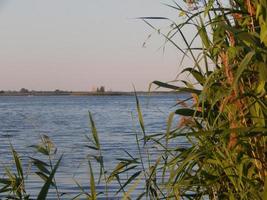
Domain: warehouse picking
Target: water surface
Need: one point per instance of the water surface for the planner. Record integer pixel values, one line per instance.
(65, 120)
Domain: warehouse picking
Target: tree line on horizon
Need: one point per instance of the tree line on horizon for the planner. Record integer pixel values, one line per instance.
(100, 89)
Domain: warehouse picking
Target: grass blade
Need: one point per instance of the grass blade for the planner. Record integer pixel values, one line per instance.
(44, 191)
(92, 183)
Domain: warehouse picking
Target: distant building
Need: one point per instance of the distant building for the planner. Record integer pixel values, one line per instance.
(101, 89)
(57, 91)
(94, 89)
(24, 90)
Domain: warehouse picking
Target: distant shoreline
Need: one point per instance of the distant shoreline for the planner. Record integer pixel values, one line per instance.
(66, 93)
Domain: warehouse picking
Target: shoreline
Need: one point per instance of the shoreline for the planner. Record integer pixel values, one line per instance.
(65, 93)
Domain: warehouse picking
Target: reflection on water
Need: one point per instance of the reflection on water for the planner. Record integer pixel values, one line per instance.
(65, 120)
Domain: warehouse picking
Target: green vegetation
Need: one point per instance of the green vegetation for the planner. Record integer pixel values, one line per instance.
(13, 184)
(224, 128)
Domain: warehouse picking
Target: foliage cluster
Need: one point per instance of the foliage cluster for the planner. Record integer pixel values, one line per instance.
(226, 125)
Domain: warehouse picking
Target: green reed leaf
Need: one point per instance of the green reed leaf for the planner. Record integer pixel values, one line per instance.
(140, 115)
(243, 65)
(129, 180)
(44, 191)
(173, 87)
(94, 131)
(196, 74)
(92, 183)
(188, 112)
(18, 163)
(42, 166)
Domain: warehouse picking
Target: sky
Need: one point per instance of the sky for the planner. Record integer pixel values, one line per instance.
(78, 45)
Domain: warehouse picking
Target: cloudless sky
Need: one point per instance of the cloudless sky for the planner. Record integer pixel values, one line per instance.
(81, 44)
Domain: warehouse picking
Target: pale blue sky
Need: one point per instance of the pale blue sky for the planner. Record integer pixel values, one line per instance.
(79, 44)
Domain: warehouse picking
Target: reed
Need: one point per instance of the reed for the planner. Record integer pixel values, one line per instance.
(13, 183)
(224, 127)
